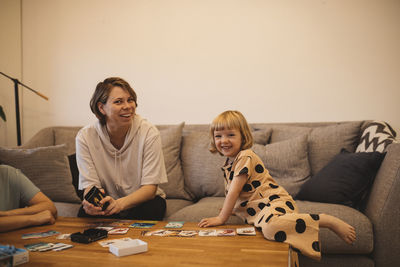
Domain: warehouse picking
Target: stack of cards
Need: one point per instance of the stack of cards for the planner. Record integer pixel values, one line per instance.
(174, 225)
(43, 246)
(40, 234)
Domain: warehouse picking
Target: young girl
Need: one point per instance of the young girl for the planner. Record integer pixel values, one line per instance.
(254, 196)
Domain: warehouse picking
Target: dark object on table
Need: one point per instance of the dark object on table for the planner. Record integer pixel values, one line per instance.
(89, 235)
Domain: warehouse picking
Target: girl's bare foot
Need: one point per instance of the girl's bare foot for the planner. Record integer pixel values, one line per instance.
(342, 229)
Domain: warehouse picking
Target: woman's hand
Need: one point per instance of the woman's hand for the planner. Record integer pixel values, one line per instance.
(115, 206)
(91, 209)
(214, 221)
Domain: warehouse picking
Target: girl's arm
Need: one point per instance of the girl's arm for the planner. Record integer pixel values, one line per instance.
(234, 190)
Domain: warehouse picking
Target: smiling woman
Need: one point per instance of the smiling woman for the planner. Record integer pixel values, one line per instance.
(121, 155)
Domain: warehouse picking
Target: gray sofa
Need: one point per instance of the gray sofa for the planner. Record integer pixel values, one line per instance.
(293, 152)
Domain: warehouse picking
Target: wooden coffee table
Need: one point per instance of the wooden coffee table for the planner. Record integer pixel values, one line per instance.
(162, 251)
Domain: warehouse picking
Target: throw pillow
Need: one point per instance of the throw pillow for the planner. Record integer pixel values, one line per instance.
(377, 136)
(326, 142)
(201, 168)
(261, 136)
(287, 162)
(47, 168)
(171, 138)
(345, 180)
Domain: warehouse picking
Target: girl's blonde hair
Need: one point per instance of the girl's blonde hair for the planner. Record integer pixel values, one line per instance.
(231, 119)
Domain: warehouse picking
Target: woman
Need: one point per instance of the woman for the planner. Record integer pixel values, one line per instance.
(121, 154)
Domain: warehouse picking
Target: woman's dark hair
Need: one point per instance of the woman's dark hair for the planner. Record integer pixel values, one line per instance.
(102, 92)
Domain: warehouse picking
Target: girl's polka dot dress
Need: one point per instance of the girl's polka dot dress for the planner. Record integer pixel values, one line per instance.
(265, 204)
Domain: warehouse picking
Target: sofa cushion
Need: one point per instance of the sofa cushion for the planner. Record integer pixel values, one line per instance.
(67, 209)
(201, 168)
(171, 145)
(285, 132)
(47, 168)
(377, 136)
(326, 142)
(261, 136)
(287, 162)
(205, 208)
(174, 205)
(330, 242)
(345, 180)
(66, 135)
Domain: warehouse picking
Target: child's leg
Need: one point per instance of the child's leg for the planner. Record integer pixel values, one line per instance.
(299, 230)
(342, 229)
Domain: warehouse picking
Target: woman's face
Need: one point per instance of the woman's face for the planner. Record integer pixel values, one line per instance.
(119, 108)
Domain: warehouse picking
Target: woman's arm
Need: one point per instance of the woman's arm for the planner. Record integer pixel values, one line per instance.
(143, 194)
(229, 203)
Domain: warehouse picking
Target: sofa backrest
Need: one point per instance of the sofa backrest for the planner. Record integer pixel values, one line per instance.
(202, 170)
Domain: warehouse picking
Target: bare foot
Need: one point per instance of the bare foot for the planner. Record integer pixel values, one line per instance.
(344, 230)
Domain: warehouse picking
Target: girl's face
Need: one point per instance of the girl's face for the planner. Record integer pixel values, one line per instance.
(228, 142)
(119, 108)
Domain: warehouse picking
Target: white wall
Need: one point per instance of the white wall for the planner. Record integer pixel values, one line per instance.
(276, 61)
(10, 64)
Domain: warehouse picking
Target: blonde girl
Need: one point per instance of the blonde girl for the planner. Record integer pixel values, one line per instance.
(253, 195)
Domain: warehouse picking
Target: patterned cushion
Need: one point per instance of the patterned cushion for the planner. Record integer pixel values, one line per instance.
(377, 136)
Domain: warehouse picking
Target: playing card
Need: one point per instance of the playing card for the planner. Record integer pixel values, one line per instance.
(44, 248)
(174, 225)
(187, 233)
(246, 231)
(208, 232)
(35, 246)
(172, 232)
(143, 224)
(64, 236)
(118, 231)
(61, 246)
(226, 232)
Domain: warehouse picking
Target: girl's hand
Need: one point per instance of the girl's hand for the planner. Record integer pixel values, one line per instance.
(113, 207)
(214, 221)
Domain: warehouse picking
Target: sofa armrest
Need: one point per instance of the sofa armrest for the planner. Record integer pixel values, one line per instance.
(45, 137)
(383, 209)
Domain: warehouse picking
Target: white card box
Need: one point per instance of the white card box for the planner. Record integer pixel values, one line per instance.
(128, 247)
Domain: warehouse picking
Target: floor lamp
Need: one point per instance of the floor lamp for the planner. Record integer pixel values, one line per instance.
(16, 82)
